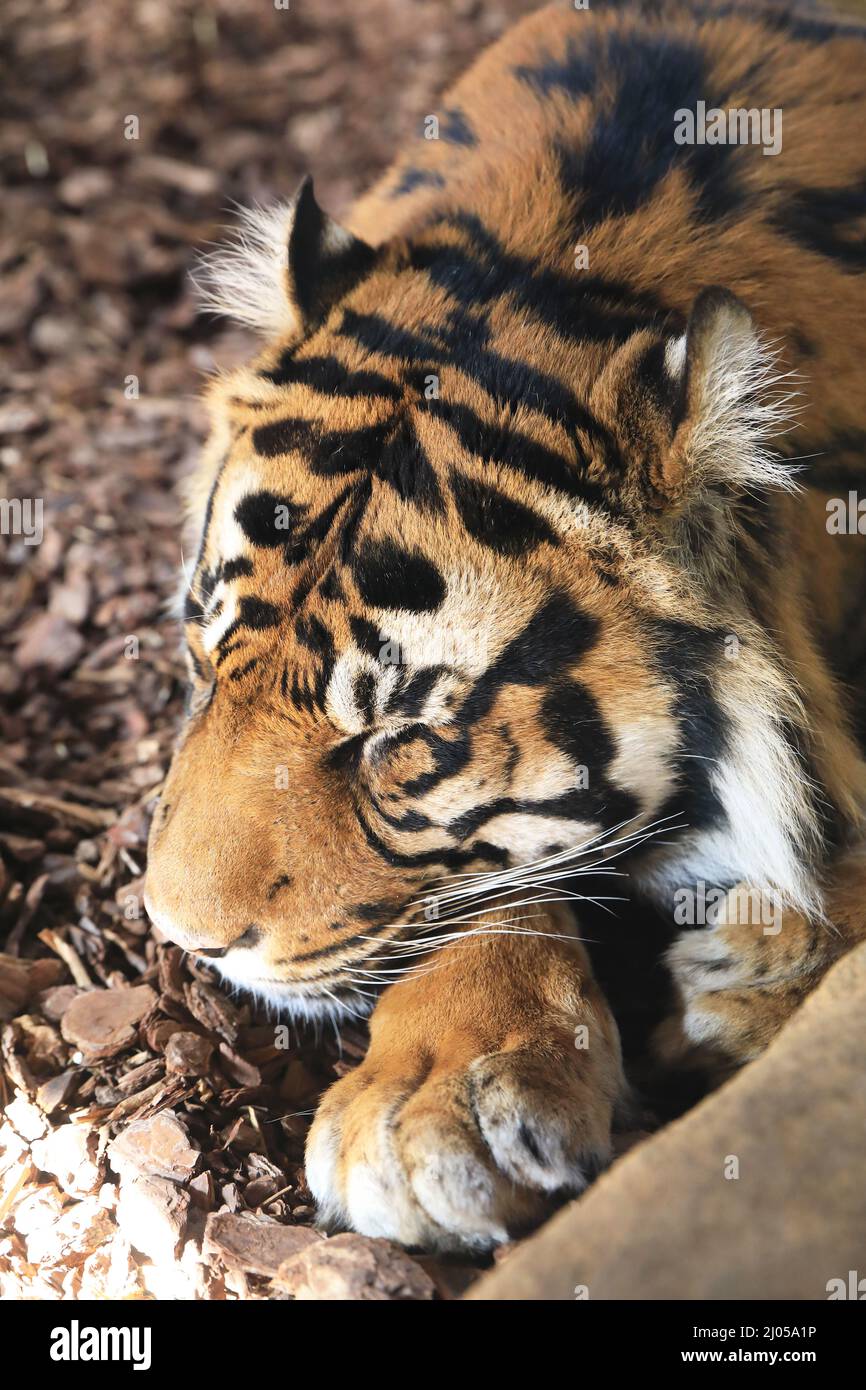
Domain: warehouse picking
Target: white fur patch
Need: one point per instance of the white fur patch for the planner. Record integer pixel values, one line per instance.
(246, 279)
(675, 356)
(287, 1000)
(216, 628)
(528, 837)
(744, 404)
(642, 764)
(230, 540)
(771, 831)
(320, 1162)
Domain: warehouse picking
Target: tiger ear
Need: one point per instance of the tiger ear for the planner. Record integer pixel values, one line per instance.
(284, 266)
(324, 259)
(731, 403)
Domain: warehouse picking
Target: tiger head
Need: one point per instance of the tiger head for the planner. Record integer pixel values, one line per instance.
(460, 530)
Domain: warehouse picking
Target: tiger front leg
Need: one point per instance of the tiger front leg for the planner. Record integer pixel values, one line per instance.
(737, 982)
(488, 1091)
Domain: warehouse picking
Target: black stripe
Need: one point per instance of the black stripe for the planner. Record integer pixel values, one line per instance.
(244, 670)
(330, 377)
(496, 520)
(826, 221)
(413, 178)
(336, 946)
(455, 129)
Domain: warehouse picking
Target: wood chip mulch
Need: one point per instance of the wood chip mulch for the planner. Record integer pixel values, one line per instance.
(151, 1141)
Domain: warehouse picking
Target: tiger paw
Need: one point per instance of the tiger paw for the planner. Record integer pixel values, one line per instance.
(461, 1155)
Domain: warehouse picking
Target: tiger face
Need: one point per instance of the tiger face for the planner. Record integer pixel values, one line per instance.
(435, 626)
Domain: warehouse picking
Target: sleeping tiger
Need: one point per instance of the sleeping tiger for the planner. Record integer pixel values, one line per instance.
(510, 567)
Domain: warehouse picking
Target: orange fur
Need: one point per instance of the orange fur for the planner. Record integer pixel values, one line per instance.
(552, 491)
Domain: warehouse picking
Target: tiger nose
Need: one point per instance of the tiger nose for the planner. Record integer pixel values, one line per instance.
(198, 943)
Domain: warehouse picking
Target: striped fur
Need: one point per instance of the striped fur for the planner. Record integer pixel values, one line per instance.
(511, 552)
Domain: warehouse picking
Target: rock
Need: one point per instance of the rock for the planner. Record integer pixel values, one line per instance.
(159, 1146)
(188, 1054)
(101, 1022)
(255, 1244)
(70, 1155)
(356, 1268)
(670, 1221)
(153, 1214)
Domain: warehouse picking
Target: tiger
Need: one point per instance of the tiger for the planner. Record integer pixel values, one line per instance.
(520, 557)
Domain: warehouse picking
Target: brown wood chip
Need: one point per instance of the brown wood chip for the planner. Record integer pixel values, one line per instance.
(350, 1267)
(101, 1022)
(255, 1244)
(159, 1147)
(188, 1054)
